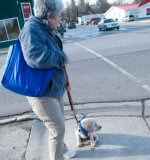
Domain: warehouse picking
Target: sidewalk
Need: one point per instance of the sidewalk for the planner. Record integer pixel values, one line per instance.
(3, 50)
(2, 59)
(125, 136)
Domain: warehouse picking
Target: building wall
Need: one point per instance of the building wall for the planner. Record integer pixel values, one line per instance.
(12, 18)
(134, 12)
(6, 11)
(116, 13)
(144, 11)
(120, 14)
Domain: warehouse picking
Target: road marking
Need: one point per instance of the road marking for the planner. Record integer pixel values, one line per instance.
(117, 67)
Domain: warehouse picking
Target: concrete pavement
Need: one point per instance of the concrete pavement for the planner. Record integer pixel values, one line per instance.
(125, 135)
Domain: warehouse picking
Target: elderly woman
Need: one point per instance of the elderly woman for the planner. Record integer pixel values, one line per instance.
(42, 49)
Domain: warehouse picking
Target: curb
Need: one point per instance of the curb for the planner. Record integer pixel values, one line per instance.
(17, 118)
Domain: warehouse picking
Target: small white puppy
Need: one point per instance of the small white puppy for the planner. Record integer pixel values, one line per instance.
(86, 132)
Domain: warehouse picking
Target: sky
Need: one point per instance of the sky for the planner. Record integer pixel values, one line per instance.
(124, 1)
(93, 1)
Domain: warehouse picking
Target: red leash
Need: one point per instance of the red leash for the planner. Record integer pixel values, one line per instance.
(70, 97)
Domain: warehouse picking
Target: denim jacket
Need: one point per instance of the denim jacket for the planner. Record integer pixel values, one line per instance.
(42, 49)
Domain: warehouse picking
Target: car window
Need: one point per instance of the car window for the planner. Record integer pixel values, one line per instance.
(108, 21)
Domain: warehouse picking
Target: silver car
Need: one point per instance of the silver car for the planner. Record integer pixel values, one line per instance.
(108, 24)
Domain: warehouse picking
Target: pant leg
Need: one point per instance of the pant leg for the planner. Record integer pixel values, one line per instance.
(61, 103)
(51, 113)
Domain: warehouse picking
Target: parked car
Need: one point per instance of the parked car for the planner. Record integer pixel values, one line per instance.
(95, 21)
(71, 25)
(61, 29)
(108, 24)
(82, 23)
(129, 18)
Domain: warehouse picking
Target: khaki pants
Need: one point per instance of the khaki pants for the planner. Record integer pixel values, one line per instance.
(51, 112)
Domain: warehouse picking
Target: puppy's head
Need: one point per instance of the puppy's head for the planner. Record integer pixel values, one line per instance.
(90, 124)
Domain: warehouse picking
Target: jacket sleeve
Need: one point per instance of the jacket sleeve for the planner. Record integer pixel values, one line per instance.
(37, 53)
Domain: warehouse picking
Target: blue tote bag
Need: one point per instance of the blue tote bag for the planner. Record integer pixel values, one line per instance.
(22, 79)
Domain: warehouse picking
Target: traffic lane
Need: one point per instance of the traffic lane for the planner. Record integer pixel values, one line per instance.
(94, 80)
(137, 63)
(131, 54)
(119, 43)
(136, 26)
(80, 33)
(84, 32)
(136, 23)
(75, 53)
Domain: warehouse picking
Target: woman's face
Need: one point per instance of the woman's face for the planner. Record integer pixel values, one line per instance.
(53, 21)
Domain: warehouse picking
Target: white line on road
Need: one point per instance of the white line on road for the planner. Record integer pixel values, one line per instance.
(120, 69)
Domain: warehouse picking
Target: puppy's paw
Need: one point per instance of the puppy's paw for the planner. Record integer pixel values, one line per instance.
(83, 142)
(93, 145)
(80, 144)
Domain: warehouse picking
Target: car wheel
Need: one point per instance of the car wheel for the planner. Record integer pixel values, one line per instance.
(118, 28)
(105, 29)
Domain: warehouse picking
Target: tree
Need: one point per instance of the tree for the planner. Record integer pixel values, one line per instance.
(73, 11)
(81, 7)
(102, 6)
(70, 12)
(88, 9)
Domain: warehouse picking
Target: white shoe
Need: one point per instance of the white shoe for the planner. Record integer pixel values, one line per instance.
(65, 148)
(70, 154)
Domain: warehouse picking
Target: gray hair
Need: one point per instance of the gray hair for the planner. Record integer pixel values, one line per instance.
(42, 7)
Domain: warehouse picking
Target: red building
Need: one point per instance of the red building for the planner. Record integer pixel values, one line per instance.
(135, 10)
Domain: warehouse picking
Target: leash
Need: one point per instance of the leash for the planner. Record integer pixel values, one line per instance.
(70, 97)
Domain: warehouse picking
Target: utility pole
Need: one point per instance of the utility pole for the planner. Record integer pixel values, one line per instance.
(73, 11)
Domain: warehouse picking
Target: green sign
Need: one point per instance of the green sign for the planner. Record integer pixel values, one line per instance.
(13, 14)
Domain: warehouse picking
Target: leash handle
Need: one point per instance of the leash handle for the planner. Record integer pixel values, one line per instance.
(70, 97)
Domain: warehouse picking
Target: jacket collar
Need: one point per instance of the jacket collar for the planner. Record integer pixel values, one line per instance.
(41, 22)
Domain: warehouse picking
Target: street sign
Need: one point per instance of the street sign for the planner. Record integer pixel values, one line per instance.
(26, 10)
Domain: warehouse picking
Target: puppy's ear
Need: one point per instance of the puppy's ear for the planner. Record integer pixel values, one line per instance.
(98, 127)
(81, 117)
(89, 125)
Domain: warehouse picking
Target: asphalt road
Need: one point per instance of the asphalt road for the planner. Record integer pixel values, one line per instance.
(103, 66)
(110, 66)
(86, 32)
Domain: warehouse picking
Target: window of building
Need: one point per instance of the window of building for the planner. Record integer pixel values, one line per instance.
(148, 11)
(9, 29)
(3, 34)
